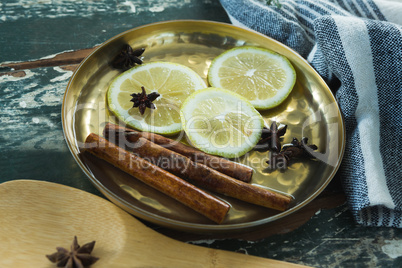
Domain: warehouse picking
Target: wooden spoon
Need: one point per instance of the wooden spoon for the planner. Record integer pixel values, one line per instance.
(37, 216)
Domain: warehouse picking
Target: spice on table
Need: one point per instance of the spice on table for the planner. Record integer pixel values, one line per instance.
(128, 58)
(270, 138)
(208, 178)
(223, 165)
(78, 257)
(297, 149)
(143, 100)
(158, 178)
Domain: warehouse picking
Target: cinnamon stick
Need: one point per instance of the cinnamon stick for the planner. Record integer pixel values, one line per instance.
(165, 182)
(208, 178)
(230, 168)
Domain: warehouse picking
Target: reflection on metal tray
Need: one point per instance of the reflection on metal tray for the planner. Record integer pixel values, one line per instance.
(310, 110)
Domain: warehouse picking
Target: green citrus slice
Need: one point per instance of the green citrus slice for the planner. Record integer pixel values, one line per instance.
(220, 122)
(262, 76)
(174, 83)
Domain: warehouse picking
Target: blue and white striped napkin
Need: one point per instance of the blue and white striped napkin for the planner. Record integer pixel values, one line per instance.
(356, 46)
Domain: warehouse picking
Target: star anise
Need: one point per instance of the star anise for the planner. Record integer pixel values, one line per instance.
(127, 58)
(297, 149)
(77, 257)
(143, 101)
(270, 138)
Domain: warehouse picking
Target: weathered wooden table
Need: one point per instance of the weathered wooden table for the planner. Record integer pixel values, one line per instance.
(42, 42)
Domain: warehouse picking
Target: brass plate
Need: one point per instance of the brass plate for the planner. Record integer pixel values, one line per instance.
(311, 110)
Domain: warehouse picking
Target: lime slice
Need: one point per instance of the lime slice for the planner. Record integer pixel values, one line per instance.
(220, 122)
(264, 77)
(174, 83)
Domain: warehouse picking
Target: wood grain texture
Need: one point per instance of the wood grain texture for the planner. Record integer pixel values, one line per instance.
(31, 137)
(37, 29)
(62, 59)
(38, 216)
(31, 115)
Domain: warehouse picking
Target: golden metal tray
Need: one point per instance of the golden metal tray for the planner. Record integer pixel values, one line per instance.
(311, 110)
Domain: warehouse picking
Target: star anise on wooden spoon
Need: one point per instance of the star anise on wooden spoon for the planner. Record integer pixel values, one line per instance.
(77, 257)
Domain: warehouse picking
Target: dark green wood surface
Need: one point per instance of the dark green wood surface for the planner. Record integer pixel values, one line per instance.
(35, 29)
(32, 146)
